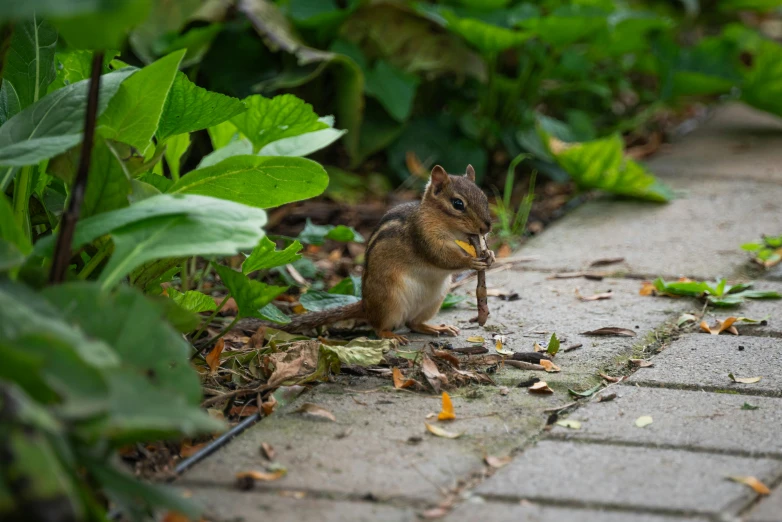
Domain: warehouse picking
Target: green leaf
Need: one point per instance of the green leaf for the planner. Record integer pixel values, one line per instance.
(10, 256)
(240, 147)
(273, 314)
(318, 234)
(10, 230)
(748, 406)
(600, 164)
(264, 256)
(587, 393)
(393, 88)
(251, 296)
(351, 285)
(752, 247)
(759, 294)
(192, 301)
(109, 186)
(316, 300)
(262, 182)
(222, 134)
(133, 115)
(486, 37)
(9, 102)
(749, 5)
(727, 301)
(166, 20)
(452, 300)
(156, 180)
(29, 64)
(361, 351)
(189, 108)
(84, 28)
(270, 119)
(553, 345)
(567, 25)
(76, 65)
(54, 123)
(302, 145)
(763, 81)
(175, 149)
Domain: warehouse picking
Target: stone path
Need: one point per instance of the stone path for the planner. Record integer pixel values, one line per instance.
(376, 462)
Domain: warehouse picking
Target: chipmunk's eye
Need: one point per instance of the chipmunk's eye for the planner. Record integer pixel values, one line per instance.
(458, 204)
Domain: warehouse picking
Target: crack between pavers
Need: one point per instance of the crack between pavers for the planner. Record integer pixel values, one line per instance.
(587, 439)
(705, 388)
(750, 506)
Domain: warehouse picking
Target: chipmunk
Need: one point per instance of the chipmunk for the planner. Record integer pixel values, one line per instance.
(410, 258)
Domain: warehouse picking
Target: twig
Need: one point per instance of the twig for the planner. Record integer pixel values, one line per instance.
(62, 252)
(571, 348)
(480, 291)
(237, 393)
(524, 365)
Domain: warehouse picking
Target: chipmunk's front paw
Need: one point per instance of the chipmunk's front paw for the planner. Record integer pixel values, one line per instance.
(478, 264)
(447, 329)
(490, 257)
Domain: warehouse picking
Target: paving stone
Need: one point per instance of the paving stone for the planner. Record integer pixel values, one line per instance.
(698, 235)
(368, 450)
(693, 419)
(630, 477)
(704, 361)
(250, 506)
(529, 512)
(768, 309)
(769, 509)
(738, 142)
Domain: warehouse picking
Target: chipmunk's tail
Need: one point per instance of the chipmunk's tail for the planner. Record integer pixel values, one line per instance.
(311, 320)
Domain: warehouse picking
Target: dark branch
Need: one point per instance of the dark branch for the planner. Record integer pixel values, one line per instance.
(62, 252)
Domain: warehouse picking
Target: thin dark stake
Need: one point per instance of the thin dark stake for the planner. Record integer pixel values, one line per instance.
(480, 290)
(62, 252)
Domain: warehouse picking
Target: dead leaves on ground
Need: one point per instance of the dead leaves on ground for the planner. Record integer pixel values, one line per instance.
(213, 357)
(440, 432)
(594, 297)
(743, 380)
(447, 412)
(315, 411)
(752, 482)
(721, 326)
(611, 330)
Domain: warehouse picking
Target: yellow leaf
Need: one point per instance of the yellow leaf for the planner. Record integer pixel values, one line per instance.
(447, 413)
(647, 288)
(501, 350)
(549, 366)
(540, 387)
(497, 462)
(721, 326)
(467, 247)
(569, 423)
(537, 348)
(213, 358)
(436, 430)
(643, 421)
(744, 380)
(476, 339)
(262, 475)
(752, 482)
(399, 379)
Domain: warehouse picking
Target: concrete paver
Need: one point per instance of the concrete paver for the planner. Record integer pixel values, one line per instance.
(704, 361)
(686, 419)
(768, 509)
(529, 512)
(640, 478)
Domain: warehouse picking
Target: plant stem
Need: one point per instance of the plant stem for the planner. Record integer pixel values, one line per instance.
(62, 252)
(224, 331)
(96, 260)
(185, 276)
(210, 318)
(22, 189)
(202, 277)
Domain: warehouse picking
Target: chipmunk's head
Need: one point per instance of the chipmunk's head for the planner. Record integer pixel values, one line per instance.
(460, 199)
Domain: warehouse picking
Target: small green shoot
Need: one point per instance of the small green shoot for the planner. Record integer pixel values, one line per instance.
(718, 293)
(513, 221)
(748, 406)
(553, 345)
(767, 252)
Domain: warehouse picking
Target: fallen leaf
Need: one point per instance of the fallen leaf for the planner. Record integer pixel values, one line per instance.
(538, 348)
(399, 379)
(267, 451)
(431, 415)
(432, 373)
(257, 339)
(611, 330)
(549, 366)
(540, 387)
(436, 430)
(268, 406)
(606, 398)
(755, 484)
(744, 380)
(504, 390)
(553, 345)
(504, 251)
(501, 350)
(243, 410)
(748, 406)
(643, 421)
(264, 476)
(720, 327)
(446, 356)
(213, 358)
(435, 513)
(586, 393)
(641, 363)
(476, 339)
(606, 261)
(188, 451)
(497, 462)
(316, 411)
(467, 248)
(647, 288)
(569, 423)
(447, 412)
(686, 318)
(594, 297)
(609, 378)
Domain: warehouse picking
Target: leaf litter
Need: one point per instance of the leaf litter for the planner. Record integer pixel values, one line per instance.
(752, 482)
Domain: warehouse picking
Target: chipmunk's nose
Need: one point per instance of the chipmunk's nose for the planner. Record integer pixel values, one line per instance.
(486, 228)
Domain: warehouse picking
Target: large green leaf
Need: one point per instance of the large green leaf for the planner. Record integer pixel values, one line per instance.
(600, 164)
(264, 256)
(192, 301)
(763, 81)
(175, 149)
(484, 36)
(19, 10)
(303, 144)
(165, 21)
(54, 123)
(84, 28)
(29, 64)
(251, 296)
(240, 147)
(263, 182)
(109, 186)
(318, 234)
(567, 24)
(9, 102)
(393, 88)
(190, 108)
(9, 228)
(271, 119)
(133, 115)
(361, 351)
(75, 65)
(317, 300)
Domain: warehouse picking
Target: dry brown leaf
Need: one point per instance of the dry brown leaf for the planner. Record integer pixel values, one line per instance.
(754, 483)
(435, 513)
(467, 247)
(186, 450)
(497, 462)
(538, 348)
(257, 339)
(447, 412)
(436, 430)
(267, 451)
(549, 366)
(264, 476)
(414, 165)
(399, 379)
(504, 251)
(316, 411)
(744, 380)
(504, 390)
(648, 288)
(451, 358)
(500, 350)
(540, 387)
(243, 410)
(299, 360)
(298, 309)
(432, 373)
(609, 378)
(594, 297)
(268, 406)
(721, 326)
(606, 261)
(611, 330)
(213, 358)
(641, 363)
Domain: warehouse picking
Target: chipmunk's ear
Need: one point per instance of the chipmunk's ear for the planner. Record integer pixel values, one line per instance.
(471, 173)
(438, 180)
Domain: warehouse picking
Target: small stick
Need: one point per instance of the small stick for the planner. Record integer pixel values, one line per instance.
(480, 291)
(521, 365)
(574, 347)
(471, 350)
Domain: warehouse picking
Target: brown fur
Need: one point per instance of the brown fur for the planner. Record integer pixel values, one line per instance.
(410, 257)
